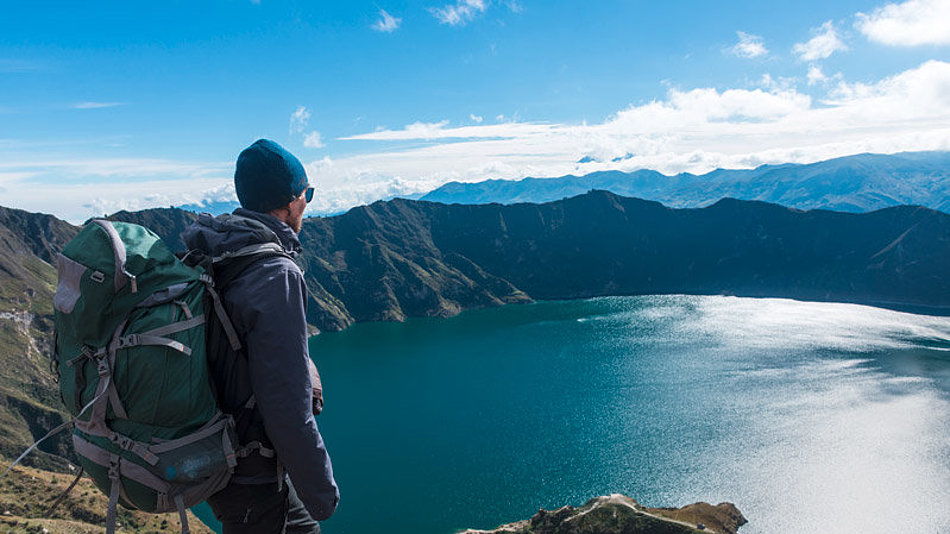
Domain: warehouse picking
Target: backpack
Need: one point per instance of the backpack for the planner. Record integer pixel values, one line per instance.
(131, 346)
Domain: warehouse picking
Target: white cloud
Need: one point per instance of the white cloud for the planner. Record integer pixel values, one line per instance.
(749, 46)
(386, 23)
(475, 118)
(514, 6)
(693, 130)
(815, 75)
(922, 93)
(416, 130)
(690, 129)
(77, 189)
(96, 105)
(299, 119)
(313, 140)
(912, 23)
(460, 13)
(824, 43)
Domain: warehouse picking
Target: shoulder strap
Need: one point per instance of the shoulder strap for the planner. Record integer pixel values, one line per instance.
(228, 266)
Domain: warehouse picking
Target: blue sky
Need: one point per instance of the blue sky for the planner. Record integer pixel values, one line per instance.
(127, 105)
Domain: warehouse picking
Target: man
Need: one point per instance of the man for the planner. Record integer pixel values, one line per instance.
(268, 388)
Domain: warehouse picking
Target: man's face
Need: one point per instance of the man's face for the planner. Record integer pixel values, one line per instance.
(296, 208)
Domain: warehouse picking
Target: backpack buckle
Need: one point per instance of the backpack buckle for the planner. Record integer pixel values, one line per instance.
(128, 341)
(102, 365)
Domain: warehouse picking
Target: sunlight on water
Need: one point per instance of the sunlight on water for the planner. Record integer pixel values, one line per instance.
(810, 417)
(827, 444)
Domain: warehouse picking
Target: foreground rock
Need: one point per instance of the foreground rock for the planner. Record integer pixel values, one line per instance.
(617, 514)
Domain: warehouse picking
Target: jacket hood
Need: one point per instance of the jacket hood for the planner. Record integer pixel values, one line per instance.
(233, 231)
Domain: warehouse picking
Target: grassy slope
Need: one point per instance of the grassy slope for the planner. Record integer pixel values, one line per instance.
(26, 493)
(29, 397)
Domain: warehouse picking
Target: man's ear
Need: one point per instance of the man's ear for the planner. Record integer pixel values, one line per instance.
(283, 213)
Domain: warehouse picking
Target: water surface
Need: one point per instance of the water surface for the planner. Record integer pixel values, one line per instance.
(810, 417)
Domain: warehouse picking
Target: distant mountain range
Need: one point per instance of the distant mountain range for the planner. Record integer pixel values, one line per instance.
(216, 207)
(855, 184)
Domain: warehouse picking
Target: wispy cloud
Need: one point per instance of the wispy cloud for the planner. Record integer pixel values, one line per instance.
(386, 23)
(824, 43)
(912, 23)
(96, 105)
(515, 6)
(313, 140)
(475, 118)
(815, 75)
(749, 46)
(299, 119)
(460, 13)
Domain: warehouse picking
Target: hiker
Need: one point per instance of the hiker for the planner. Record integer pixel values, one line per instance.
(269, 389)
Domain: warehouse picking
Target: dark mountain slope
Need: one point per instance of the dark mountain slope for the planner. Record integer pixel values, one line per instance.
(403, 258)
(602, 244)
(29, 399)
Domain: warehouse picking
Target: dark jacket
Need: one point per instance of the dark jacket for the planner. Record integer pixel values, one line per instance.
(267, 304)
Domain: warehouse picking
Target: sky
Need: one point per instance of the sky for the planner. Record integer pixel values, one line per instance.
(129, 105)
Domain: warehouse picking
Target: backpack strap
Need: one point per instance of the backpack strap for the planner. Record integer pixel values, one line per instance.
(226, 268)
(122, 276)
(52, 507)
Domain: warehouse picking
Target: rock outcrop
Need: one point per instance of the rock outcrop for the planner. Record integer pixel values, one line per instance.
(618, 514)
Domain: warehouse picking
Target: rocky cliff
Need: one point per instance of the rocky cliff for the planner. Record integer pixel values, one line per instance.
(618, 514)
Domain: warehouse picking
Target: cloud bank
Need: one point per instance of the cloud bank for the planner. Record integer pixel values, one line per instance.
(688, 130)
(912, 23)
(694, 130)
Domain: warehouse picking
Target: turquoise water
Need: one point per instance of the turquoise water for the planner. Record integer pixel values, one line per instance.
(810, 417)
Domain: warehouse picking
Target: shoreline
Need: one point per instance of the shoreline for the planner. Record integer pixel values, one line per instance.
(914, 309)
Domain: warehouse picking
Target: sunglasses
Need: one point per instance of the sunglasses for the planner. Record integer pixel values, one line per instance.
(309, 194)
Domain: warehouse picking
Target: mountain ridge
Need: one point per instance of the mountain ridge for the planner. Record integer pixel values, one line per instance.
(857, 183)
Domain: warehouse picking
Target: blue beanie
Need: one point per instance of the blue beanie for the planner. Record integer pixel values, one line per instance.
(268, 177)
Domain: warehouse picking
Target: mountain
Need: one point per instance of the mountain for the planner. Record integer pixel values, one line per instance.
(401, 258)
(29, 398)
(855, 184)
(618, 514)
(216, 207)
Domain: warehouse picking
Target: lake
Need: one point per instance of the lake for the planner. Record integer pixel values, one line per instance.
(810, 417)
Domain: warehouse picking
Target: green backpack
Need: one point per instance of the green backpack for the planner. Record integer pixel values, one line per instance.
(130, 346)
